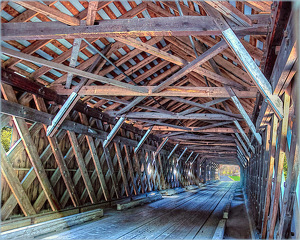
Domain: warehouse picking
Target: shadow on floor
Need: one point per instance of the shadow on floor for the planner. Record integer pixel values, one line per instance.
(237, 225)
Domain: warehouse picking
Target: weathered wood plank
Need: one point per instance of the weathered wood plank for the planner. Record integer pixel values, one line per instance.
(143, 140)
(176, 26)
(272, 152)
(199, 116)
(148, 91)
(51, 12)
(231, 12)
(252, 69)
(59, 224)
(113, 131)
(291, 182)
(11, 202)
(138, 202)
(69, 69)
(244, 114)
(162, 175)
(92, 11)
(279, 160)
(73, 60)
(137, 167)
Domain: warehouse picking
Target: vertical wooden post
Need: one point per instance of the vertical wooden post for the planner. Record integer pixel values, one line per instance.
(272, 151)
(279, 159)
(204, 171)
(291, 181)
(265, 158)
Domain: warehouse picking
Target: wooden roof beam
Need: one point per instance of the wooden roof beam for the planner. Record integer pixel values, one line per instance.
(148, 91)
(203, 106)
(209, 130)
(231, 12)
(199, 116)
(252, 69)
(50, 12)
(67, 69)
(92, 11)
(176, 26)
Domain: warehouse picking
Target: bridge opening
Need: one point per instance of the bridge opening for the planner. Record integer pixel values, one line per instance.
(229, 172)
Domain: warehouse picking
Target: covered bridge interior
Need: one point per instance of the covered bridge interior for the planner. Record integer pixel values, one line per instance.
(112, 104)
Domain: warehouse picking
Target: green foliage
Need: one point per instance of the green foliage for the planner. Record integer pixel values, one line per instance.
(229, 170)
(235, 178)
(6, 133)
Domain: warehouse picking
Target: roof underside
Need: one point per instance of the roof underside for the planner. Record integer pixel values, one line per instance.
(177, 111)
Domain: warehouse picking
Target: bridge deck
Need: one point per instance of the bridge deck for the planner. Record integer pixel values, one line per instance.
(190, 215)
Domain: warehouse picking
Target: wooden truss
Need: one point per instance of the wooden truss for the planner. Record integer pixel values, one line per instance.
(118, 99)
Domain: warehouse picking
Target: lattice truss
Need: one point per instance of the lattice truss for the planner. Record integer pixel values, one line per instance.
(188, 72)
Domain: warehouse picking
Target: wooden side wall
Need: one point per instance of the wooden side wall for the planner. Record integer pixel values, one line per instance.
(37, 163)
(271, 173)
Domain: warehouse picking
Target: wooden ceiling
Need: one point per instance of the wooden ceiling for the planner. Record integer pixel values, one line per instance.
(147, 48)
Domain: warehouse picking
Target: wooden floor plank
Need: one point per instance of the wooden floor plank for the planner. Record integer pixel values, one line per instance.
(153, 220)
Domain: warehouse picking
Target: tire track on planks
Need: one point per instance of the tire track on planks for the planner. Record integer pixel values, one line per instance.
(233, 185)
(163, 212)
(109, 222)
(141, 231)
(177, 231)
(208, 229)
